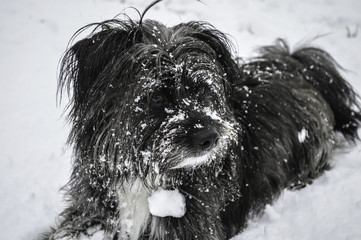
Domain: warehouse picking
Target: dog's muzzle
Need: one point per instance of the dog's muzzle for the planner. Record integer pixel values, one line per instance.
(192, 140)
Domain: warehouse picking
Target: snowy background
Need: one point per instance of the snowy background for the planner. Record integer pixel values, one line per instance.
(35, 162)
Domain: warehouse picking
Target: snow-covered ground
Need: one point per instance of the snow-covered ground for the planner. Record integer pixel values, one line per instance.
(35, 162)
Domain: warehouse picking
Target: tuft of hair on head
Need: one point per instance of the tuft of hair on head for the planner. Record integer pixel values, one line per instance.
(147, 9)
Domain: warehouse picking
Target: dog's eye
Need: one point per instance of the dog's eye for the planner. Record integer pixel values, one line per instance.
(201, 91)
(158, 100)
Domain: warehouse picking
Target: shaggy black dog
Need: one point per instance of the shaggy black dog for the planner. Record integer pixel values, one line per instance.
(155, 107)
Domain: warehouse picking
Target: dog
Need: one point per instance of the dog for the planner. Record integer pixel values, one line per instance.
(155, 107)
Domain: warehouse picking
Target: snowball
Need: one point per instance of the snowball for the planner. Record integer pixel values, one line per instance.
(93, 233)
(164, 203)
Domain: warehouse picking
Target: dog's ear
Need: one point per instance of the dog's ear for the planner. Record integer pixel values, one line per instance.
(83, 63)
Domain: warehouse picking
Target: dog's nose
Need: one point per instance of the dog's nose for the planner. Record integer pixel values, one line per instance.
(206, 139)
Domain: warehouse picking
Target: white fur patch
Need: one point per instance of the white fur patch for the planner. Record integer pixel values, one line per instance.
(193, 161)
(134, 211)
(208, 157)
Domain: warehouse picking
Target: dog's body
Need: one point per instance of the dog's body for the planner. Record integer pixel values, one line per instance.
(156, 107)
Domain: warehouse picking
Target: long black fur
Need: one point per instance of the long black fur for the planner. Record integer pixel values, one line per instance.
(115, 77)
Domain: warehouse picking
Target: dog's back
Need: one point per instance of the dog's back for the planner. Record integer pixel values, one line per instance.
(292, 105)
(320, 69)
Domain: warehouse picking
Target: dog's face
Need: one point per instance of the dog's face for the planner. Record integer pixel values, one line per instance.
(182, 119)
(151, 100)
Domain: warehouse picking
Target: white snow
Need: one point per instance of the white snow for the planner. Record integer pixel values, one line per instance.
(330, 208)
(302, 135)
(34, 162)
(212, 114)
(164, 203)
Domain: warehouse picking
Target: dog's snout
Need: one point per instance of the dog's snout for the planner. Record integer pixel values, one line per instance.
(206, 139)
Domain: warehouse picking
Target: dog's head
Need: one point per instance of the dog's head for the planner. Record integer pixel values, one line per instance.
(150, 99)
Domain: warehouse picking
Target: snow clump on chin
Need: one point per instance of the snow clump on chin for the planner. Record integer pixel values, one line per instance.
(167, 203)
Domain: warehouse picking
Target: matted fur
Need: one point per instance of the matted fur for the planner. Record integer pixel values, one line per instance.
(142, 92)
